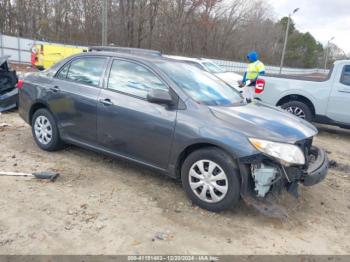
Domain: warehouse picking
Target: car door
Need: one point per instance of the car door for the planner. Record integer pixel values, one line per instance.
(339, 100)
(129, 125)
(75, 92)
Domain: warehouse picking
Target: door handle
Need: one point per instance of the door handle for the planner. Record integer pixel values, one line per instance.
(55, 89)
(106, 101)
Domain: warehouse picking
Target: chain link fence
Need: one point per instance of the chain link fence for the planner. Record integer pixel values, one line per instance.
(241, 67)
(19, 50)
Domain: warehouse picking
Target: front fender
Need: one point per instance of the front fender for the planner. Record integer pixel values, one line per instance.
(186, 137)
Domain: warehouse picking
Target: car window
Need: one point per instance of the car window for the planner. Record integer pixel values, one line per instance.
(345, 78)
(63, 72)
(87, 70)
(133, 79)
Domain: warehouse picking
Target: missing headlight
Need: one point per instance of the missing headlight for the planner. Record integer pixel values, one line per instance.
(264, 177)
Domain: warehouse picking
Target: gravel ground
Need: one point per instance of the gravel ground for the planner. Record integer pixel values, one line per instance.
(101, 205)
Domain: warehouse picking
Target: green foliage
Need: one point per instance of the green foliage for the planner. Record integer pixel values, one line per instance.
(283, 23)
(302, 48)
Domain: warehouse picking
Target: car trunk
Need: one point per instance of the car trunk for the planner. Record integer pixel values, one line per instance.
(8, 78)
(8, 81)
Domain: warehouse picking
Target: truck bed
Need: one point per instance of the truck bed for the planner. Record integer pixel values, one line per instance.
(309, 77)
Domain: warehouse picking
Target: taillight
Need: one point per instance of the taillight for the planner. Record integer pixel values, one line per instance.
(20, 83)
(34, 56)
(259, 86)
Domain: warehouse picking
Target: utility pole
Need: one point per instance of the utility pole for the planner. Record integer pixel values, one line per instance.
(286, 39)
(327, 53)
(104, 22)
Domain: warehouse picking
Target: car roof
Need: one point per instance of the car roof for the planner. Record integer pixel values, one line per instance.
(129, 50)
(184, 58)
(134, 56)
(341, 62)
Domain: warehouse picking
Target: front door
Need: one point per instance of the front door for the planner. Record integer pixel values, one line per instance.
(127, 123)
(75, 90)
(339, 100)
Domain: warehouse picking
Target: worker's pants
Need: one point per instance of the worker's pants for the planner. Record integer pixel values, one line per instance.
(249, 92)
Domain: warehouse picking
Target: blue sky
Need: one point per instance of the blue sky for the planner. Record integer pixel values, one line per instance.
(322, 18)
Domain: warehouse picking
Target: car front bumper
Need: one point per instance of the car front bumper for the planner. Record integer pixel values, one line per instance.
(287, 178)
(317, 170)
(9, 100)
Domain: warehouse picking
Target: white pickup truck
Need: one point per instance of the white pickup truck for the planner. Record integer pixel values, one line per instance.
(319, 100)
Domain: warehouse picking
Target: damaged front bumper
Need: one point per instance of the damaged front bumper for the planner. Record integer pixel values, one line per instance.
(263, 177)
(317, 169)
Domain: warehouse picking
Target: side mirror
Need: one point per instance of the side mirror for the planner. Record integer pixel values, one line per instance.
(159, 96)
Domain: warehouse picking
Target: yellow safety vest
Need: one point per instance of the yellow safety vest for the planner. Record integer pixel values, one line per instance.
(254, 69)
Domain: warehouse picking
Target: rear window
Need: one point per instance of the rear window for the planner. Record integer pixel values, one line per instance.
(85, 70)
(345, 78)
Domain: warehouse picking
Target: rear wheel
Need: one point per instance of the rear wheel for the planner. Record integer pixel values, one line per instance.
(211, 179)
(298, 109)
(45, 131)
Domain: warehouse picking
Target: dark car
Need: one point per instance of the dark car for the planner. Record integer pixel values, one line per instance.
(8, 90)
(173, 118)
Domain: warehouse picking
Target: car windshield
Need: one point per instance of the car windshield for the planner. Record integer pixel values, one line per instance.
(201, 86)
(213, 68)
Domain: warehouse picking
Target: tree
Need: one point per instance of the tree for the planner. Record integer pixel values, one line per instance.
(226, 29)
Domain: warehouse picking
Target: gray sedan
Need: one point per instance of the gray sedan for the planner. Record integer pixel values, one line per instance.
(176, 119)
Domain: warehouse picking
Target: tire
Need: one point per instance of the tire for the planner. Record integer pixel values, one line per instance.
(44, 123)
(298, 109)
(225, 167)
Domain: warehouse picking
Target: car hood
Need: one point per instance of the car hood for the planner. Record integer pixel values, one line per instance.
(265, 122)
(230, 78)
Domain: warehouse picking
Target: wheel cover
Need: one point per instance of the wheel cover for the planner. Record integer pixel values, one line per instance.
(297, 111)
(208, 181)
(43, 130)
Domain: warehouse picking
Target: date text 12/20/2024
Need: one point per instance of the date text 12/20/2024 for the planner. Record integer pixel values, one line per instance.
(173, 258)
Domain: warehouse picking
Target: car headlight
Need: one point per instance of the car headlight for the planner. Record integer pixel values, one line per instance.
(286, 153)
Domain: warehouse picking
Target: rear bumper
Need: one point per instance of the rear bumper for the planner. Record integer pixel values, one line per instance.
(317, 170)
(9, 100)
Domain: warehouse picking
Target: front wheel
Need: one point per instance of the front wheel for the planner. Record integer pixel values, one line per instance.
(210, 179)
(298, 109)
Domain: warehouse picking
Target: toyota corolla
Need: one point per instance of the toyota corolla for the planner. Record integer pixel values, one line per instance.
(176, 119)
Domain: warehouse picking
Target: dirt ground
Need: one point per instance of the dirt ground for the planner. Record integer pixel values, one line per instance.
(101, 205)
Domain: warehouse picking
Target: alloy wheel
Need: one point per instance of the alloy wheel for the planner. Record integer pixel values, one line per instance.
(297, 111)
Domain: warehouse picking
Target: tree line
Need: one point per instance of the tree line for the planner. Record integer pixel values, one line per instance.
(223, 29)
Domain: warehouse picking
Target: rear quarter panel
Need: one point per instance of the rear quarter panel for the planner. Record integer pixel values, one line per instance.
(32, 92)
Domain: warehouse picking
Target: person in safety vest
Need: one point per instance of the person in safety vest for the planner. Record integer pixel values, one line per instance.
(255, 69)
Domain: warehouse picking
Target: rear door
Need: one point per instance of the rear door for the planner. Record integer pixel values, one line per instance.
(127, 123)
(339, 101)
(74, 95)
